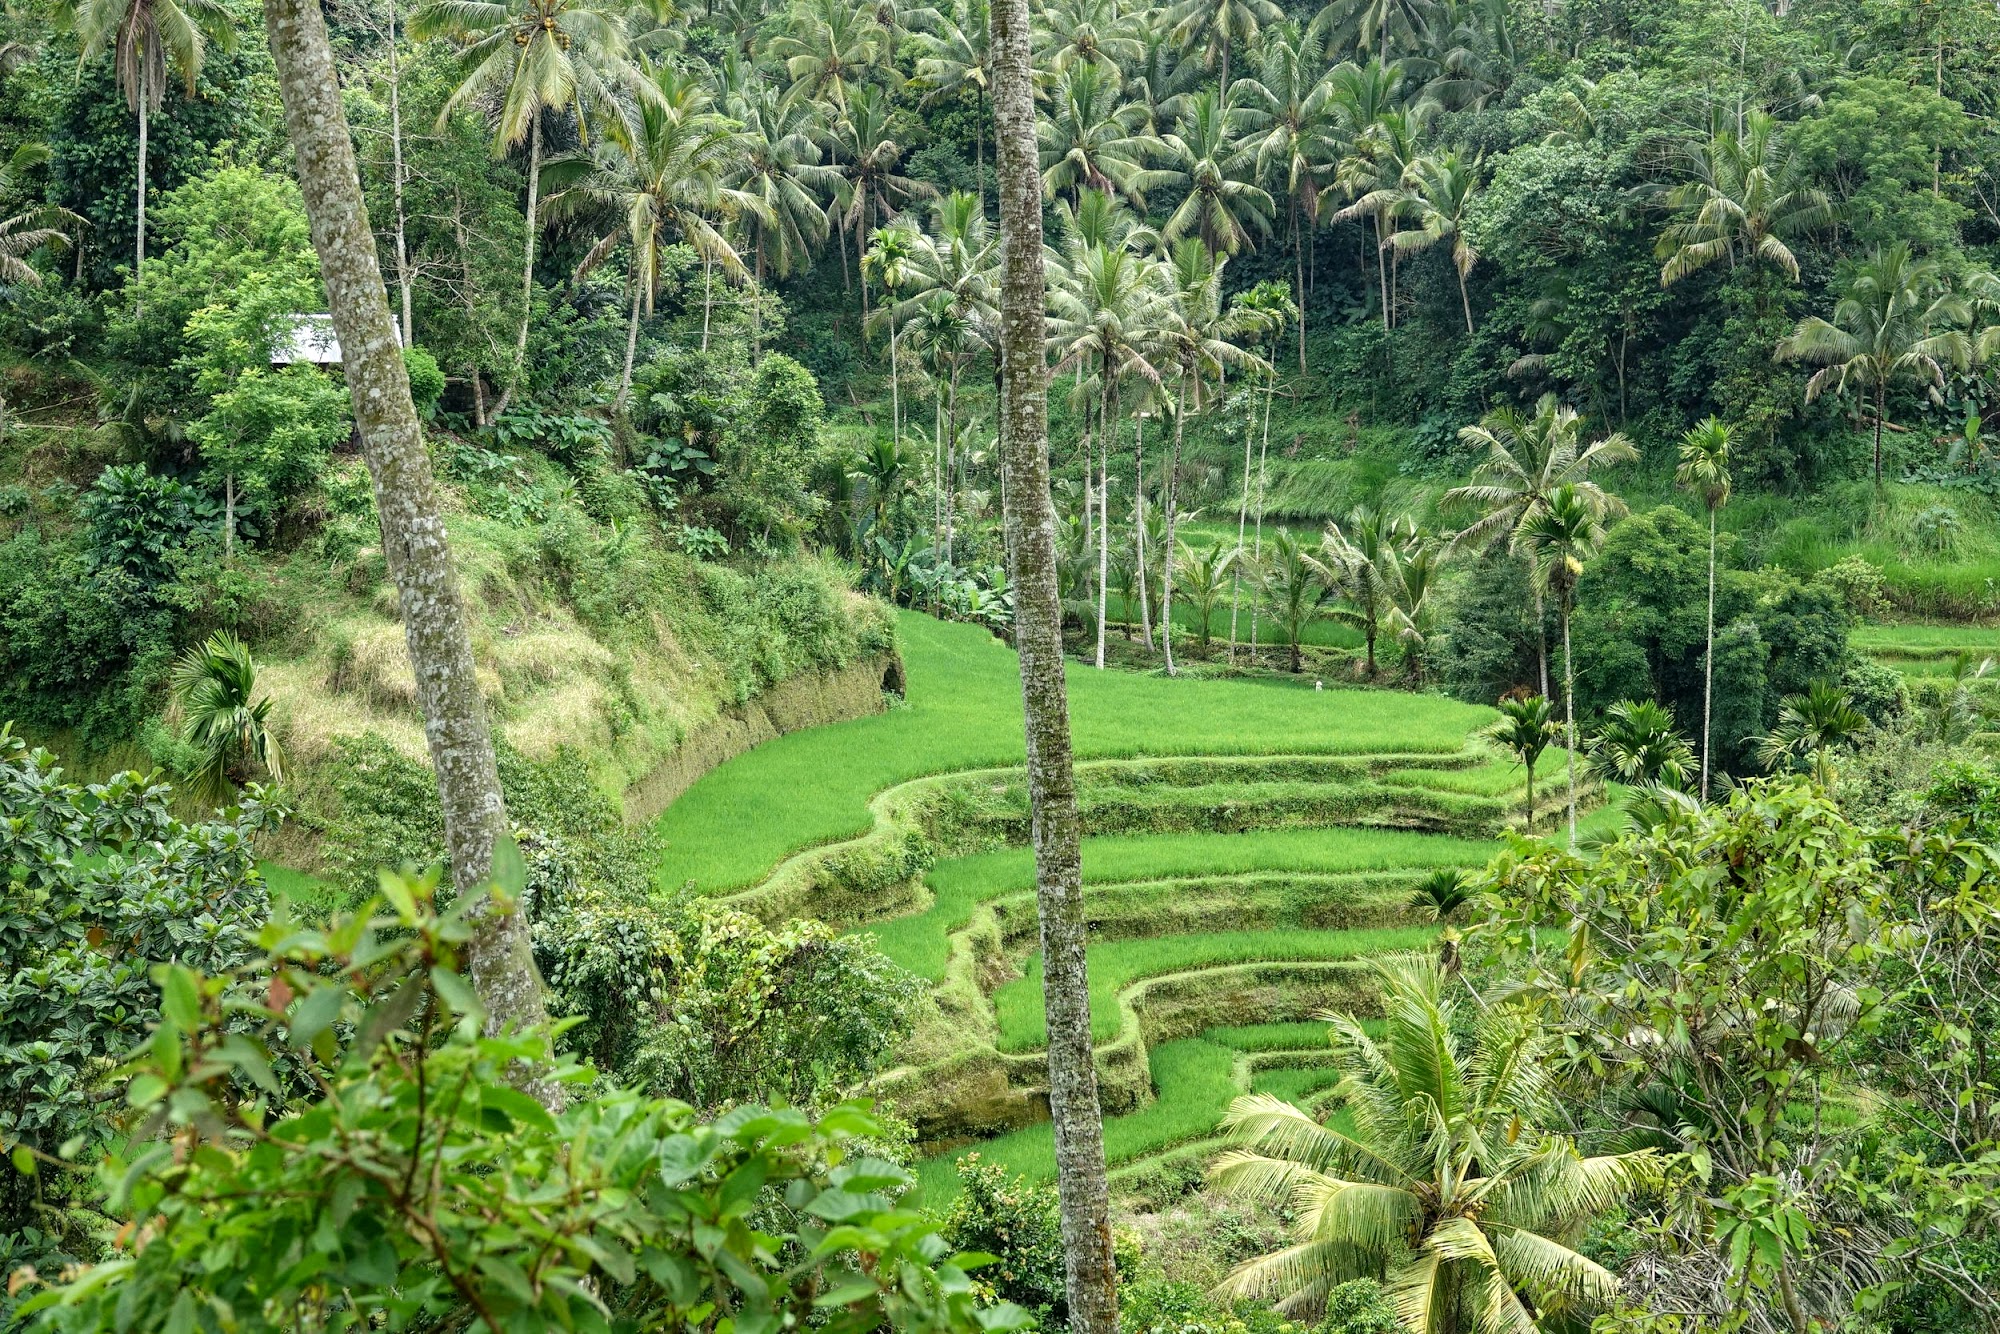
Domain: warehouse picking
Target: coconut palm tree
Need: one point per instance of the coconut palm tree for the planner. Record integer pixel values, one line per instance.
(214, 683)
(1299, 139)
(889, 251)
(829, 47)
(1409, 578)
(1744, 196)
(1809, 727)
(1437, 190)
(1194, 336)
(1357, 554)
(1372, 176)
(1090, 140)
(1298, 588)
(1451, 1186)
(22, 234)
(1217, 165)
(1161, 77)
(1105, 33)
(868, 154)
(781, 168)
(1704, 469)
(1895, 322)
(660, 170)
(956, 54)
(1105, 305)
(149, 40)
(1201, 577)
(1528, 456)
(1527, 725)
(1371, 29)
(1475, 59)
(1216, 25)
(1639, 744)
(1364, 96)
(529, 57)
(1561, 538)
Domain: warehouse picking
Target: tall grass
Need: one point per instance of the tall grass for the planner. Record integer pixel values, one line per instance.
(964, 711)
(919, 942)
(1116, 964)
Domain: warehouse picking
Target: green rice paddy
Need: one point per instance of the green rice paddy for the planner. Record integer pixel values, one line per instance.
(964, 712)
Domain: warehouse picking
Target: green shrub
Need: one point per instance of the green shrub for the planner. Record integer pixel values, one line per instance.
(426, 380)
(1358, 1306)
(1001, 1215)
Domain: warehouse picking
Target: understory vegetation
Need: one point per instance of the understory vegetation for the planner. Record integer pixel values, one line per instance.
(558, 848)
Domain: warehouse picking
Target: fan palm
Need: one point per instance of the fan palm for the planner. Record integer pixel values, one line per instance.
(1299, 139)
(1090, 140)
(1639, 744)
(1704, 469)
(213, 685)
(1528, 456)
(1893, 323)
(1449, 1186)
(1217, 25)
(1443, 892)
(531, 56)
(1561, 538)
(1809, 727)
(1298, 588)
(32, 228)
(148, 40)
(1526, 727)
(1438, 190)
(1746, 195)
(1209, 156)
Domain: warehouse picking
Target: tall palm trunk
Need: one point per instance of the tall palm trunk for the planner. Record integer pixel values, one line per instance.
(1242, 521)
(1103, 508)
(1569, 715)
(1382, 274)
(502, 963)
(707, 296)
(1139, 528)
(1881, 408)
(1172, 501)
(1541, 631)
(1084, 1195)
(1708, 664)
(527, 262)
(145, 99)
(1465, 299)
(895, 377)
(631, 345)
(1257, 549)
(1299, 264)
(403, 280)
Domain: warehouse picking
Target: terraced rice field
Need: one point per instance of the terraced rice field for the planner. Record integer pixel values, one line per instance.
(1926, 650)
(1248, 845)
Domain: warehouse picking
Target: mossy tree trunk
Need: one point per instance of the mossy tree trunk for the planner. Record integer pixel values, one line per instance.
(1031, 545)
(502, 965)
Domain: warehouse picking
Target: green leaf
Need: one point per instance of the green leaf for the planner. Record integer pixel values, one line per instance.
(24, 1161)
(180, 997)
(145, 1090)
(510, 872)
(312, 1016)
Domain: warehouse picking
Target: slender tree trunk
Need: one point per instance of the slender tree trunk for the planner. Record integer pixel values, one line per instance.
(1569, 717)
(1083, 1192)
(1242, 524)
(1881, 407)
(1139, 528)
(1103, 510)
(1299, 262)
(1541, 634)
(1257, 549)
(1465, 299)
(1382, 275)
(757, 307)
(145, 97)
(527, 263)
(631, 345)
(1708, 665)
(471, 306)
(501, 960)
(396, 182)
(979, 151)
(228, 515)
(707, 297)
(1172, 501)
(950, 455)
(895, 378)
(1531, 796)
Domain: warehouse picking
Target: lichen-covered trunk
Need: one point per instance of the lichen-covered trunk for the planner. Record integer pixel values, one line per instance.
(1031, 544)
(502, 964)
